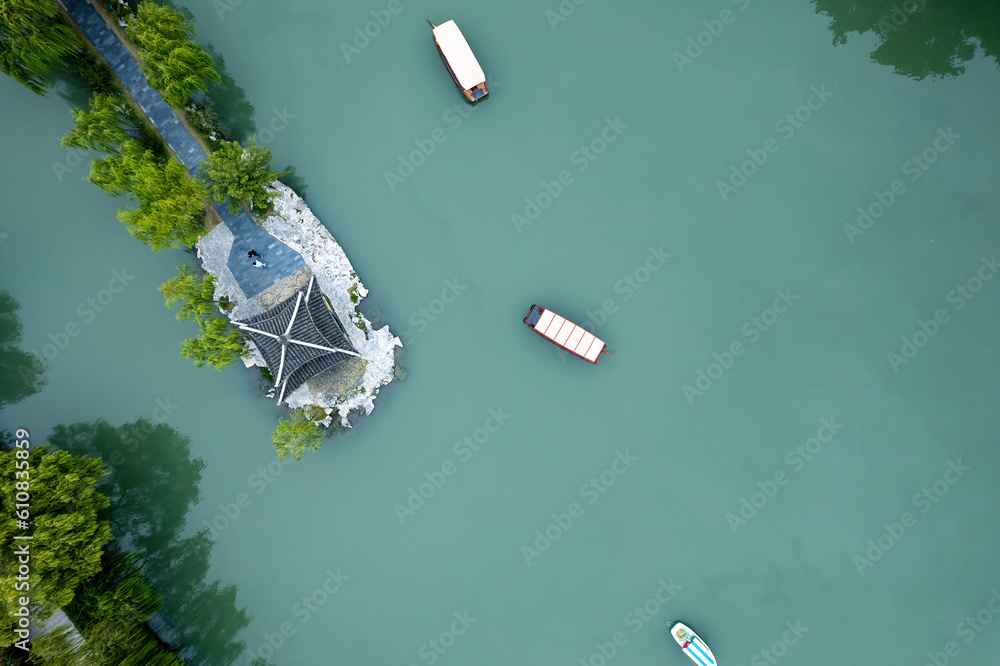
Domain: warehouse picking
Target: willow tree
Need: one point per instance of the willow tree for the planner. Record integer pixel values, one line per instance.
(297, 435)
(171, 205)
(67, 537)
(33, 42)
(196, 297)
(104, 127)
(217, 345)
(173, 63)
(242, 173)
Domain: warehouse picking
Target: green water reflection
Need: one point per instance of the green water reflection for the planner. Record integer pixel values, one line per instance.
(920, 38)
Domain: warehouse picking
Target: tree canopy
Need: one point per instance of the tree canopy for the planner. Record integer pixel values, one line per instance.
(67, 537)
(103, 127)
(218, 344)
(196, 298)
(171, 205)
(33, 42)
(173, 63)
(297, 435)
(153, 482)
(242, 173)
(111, 611)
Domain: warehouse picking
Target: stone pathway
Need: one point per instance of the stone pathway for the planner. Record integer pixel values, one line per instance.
(279, 259)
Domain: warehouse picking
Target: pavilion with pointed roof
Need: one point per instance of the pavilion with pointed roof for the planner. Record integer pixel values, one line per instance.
(299, 338)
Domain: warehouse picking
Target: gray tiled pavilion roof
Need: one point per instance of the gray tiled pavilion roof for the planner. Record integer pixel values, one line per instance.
(299, 338)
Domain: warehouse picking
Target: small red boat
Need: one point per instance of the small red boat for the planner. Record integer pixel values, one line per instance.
(574, 339)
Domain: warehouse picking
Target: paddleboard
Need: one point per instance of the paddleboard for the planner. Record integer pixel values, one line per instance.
(696, 648)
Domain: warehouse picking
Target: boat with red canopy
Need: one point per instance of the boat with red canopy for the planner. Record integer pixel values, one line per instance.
(574, 339)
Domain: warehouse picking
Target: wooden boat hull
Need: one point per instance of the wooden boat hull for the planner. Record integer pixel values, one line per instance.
(696, 648)
(564, 333)
(455, 52)
(471, 94)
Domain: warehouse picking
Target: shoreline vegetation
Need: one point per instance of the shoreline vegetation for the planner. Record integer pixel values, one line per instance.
(105, 589)
(174, 209)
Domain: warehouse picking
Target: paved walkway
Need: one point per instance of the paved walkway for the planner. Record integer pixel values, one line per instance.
(279, 259)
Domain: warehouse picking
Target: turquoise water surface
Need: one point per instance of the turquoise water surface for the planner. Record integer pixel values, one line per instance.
(793, 447)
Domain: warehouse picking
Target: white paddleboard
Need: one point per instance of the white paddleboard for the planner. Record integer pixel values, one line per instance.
(692, 644)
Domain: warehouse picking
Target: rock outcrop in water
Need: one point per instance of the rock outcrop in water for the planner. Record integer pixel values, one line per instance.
(350, 385)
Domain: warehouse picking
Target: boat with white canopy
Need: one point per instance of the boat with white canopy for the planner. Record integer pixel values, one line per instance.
(460, 60)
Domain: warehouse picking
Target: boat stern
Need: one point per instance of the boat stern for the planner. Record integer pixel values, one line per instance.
(534, 314)
(477, 92)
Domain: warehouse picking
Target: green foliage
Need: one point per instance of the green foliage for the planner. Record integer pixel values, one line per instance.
(217, 345)
(67, 536)
(297, 435)
(111, 611)
(59, 647)
(153, 482)
(171, 205)
(101, 128)
(197, 298)
(32, 41)
(240, 173)
(20, 371)
(205, 120)
(173, 64)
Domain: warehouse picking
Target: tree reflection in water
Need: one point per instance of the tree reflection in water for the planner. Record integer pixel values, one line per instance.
(20, 371)
(920, 38)
(152, 484)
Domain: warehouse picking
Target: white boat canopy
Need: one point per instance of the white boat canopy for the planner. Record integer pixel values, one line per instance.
(459, 56)
(568, 335)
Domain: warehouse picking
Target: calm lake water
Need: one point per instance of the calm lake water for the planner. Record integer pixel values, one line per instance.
(793, 447)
